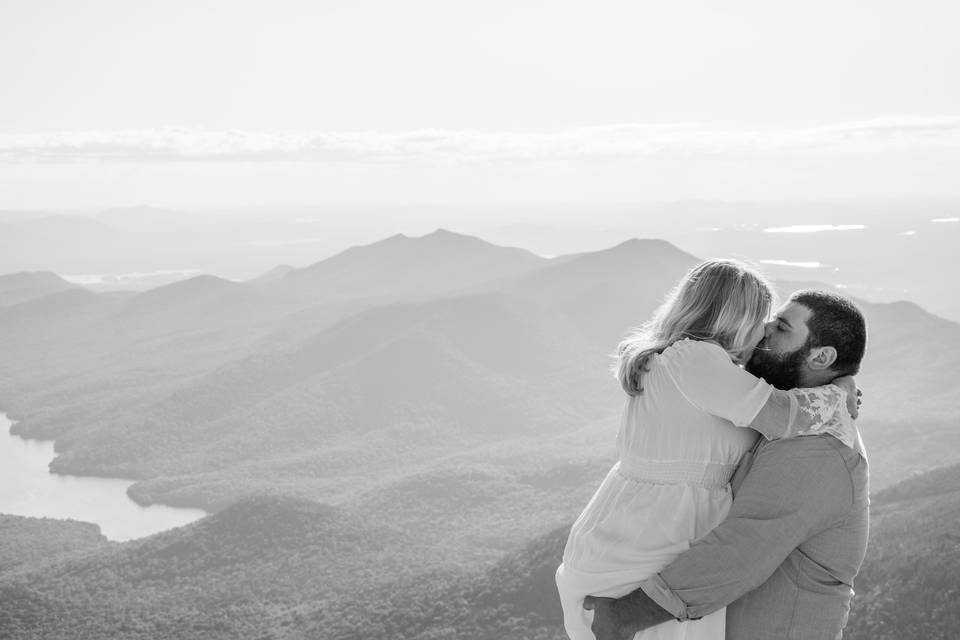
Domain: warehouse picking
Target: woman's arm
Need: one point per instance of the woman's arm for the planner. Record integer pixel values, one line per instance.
(808, 411)
(707, 377)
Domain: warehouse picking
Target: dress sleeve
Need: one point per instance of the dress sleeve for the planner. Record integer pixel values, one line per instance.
(806, 412)
(708, 379)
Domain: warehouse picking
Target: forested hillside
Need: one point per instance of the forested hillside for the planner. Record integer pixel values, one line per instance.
(281, 568)
(907, 588)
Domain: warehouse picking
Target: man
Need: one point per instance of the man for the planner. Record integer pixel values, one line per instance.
(784, 560)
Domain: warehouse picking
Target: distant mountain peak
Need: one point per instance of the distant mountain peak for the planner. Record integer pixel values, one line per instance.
(204, 279)
(202, 294)
(907, 309)
(634, 243)
(440, 232)
(52, 303)
(30, 285)
(445, 235)
(400, 247)
(641, 241)
(197, 285)
(640, 247)
(45, 277)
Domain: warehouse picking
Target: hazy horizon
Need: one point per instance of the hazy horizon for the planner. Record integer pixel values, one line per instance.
(846, 243)
(517, 102)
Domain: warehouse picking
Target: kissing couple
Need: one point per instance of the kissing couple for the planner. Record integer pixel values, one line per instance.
(738, 507)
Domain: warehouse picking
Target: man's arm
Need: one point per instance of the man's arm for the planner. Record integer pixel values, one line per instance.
(795, 489)
(621, 618)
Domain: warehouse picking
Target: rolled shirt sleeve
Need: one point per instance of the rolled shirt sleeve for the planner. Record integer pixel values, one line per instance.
(795, 489)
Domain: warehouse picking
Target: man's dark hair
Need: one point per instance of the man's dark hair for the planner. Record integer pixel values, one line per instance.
(835, 322)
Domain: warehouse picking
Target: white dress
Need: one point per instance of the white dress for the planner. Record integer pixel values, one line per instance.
(678, 447)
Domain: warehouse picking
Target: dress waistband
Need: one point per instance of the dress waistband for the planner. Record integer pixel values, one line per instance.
(712, 475)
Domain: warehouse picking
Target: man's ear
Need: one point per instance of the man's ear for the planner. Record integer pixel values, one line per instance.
(821, 358)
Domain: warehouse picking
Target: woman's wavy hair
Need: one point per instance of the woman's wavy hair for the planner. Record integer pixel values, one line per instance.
(717, 300)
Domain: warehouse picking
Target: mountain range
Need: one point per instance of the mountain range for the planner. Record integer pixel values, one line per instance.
(187, 382)
(843, 243)
(411, 418)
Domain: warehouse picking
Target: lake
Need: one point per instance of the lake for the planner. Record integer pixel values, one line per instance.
(27, 488)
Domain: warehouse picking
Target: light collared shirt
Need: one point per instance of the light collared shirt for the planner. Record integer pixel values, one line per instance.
(785, 558)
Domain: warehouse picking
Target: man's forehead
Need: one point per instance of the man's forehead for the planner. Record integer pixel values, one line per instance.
(795, 314)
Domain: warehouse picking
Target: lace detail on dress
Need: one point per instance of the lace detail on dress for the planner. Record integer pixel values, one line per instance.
(822, 410)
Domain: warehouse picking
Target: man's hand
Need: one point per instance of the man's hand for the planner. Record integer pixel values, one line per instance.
(848, 384)
(606, 623)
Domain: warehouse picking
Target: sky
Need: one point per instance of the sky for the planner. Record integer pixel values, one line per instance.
(174, 103)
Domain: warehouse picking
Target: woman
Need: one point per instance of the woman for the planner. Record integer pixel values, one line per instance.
(682, 433)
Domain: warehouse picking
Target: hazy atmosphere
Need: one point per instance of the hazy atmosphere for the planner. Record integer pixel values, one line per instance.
(307, 309)
(370, 102)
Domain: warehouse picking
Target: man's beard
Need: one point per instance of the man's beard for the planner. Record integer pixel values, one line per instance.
(782, 370)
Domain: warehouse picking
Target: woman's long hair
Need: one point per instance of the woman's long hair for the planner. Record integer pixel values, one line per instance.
(718, 300)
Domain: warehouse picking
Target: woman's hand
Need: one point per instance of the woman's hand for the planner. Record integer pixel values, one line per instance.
(848, 384)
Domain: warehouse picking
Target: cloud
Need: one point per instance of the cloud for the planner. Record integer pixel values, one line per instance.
(178, 144)
(788, 263)
(815, 228)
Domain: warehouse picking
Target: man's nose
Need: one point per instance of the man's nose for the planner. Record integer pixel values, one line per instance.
(768, 328)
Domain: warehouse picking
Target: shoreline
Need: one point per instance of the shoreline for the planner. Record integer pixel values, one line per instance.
(135, 499)
(72, 473)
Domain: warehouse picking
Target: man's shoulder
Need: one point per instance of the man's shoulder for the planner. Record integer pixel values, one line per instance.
(809, 471)
(819, 445)
(821, 453)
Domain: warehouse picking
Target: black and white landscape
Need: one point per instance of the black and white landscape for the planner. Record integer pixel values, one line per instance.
(307, 308)
(392, 441)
